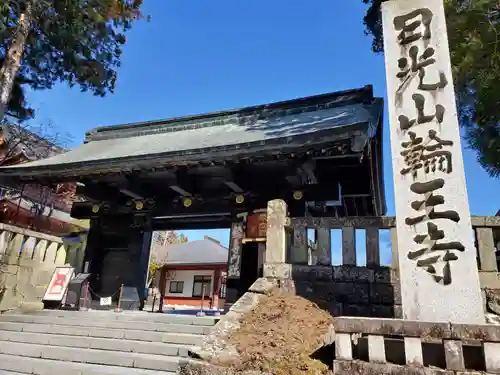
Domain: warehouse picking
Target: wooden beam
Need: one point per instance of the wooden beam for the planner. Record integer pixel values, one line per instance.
(234, 187)
(183, 183)
(99, 191)
(180, 190)
(307, 174)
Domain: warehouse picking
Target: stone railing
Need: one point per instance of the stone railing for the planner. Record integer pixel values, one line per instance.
(389, 346)
(484, 229)
(27, 262)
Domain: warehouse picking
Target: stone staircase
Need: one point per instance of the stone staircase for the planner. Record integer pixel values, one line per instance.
(97, 342)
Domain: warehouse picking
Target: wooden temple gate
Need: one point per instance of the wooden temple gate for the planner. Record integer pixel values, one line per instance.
(212, 171)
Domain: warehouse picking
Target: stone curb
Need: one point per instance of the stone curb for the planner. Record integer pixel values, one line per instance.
(192, 367)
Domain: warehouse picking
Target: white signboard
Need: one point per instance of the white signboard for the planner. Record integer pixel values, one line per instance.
(105, 301)
(58, 286)
(437, 260)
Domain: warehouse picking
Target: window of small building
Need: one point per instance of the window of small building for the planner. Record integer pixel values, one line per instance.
(200, 282)
(176, 287)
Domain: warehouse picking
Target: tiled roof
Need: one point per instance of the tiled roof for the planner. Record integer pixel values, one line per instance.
(206, 251)
(159, 143)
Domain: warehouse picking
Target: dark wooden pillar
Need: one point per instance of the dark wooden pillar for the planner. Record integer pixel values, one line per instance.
(146, 236)
(92, 259)
(162, 285)
(234, 262)
(216, 288)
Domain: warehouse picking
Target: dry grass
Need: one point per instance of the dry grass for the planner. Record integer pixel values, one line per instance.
(280, 335)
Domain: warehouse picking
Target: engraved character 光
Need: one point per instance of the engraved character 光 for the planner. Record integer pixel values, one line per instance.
(419, 64)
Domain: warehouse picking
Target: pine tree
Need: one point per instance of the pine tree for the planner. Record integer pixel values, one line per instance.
(48, 41)
(474, 35)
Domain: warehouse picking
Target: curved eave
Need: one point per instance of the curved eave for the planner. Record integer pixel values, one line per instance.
(184, 146)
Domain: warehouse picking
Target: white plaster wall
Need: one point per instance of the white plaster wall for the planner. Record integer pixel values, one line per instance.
(188, 277)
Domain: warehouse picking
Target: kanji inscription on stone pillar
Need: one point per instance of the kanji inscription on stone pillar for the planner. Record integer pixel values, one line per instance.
(437, 260)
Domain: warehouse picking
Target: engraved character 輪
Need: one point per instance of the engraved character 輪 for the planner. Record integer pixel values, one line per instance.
(428, 155)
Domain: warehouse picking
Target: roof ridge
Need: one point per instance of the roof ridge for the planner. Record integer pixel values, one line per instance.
(219, 118)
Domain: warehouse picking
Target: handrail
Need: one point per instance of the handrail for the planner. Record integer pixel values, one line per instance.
(381, 222)
(30, 233)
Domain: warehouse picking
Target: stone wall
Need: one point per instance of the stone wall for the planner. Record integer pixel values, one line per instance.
(27, 262)
(23, 281)
(344, 290)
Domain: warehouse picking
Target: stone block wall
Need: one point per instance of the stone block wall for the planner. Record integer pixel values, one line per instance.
(23, 281)
(344, 290)
(27, 262)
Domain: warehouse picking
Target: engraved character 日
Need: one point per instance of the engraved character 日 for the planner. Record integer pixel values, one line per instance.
(409, 23)
(428, 155)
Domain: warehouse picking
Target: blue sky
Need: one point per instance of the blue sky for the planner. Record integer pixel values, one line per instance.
(198, 56)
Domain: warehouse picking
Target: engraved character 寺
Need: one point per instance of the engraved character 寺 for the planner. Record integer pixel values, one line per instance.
(434, 250)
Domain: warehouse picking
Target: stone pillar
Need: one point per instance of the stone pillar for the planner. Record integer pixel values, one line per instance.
(324, 243)
(276, 232)
(437, 263)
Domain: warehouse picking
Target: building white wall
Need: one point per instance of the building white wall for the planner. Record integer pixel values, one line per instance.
(188, 277)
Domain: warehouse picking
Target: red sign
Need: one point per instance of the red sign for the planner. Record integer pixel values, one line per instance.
(58, 284)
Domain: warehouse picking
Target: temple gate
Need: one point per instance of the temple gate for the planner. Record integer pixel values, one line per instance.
(322, 155)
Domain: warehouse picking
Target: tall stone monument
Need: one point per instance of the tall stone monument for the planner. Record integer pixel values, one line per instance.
(437, 260)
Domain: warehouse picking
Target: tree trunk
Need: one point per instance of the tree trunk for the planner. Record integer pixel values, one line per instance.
(12, 60)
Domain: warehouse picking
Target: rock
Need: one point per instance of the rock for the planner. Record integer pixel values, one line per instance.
(493, 300)
(214, 347)
(30, 307)
(192, 367)
(492, 319)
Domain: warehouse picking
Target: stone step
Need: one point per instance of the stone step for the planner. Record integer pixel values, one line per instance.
(90, 356)
(110, 333)
(14, 365)
(129, 316)
(112, 324)
(129, 346)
